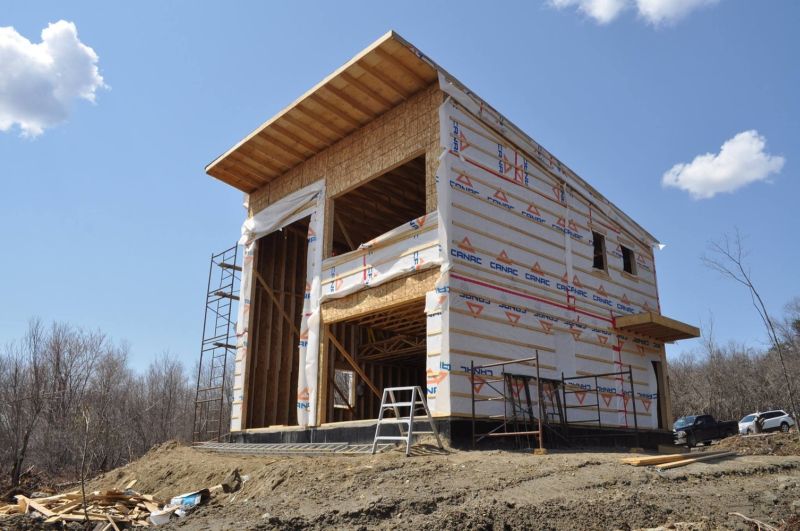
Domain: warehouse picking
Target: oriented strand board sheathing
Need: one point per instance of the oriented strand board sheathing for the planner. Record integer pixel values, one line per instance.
(392, 293)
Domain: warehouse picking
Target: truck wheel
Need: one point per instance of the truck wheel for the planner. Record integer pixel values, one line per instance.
(785, 427)
(691, 442)
(749, 431)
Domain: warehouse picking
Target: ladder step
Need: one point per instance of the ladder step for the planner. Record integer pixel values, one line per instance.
(223, 345)
(226, 295)
(225, 265)
(390, 438)
(402, 404)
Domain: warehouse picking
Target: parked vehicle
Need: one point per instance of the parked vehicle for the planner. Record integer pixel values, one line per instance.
(695, 429)
(774, 420)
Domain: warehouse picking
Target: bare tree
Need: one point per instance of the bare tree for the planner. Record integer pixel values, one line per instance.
(22, 372)
(728, 258)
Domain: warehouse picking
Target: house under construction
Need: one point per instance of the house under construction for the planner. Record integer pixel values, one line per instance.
(401, 231)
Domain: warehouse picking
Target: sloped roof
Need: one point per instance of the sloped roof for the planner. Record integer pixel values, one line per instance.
(379, 78)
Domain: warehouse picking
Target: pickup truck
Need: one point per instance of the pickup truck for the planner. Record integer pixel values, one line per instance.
(702, 429)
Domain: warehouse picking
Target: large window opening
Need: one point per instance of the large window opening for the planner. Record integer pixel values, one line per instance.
(599, 244)
(379, 205)
(372, 352)
(628, 261)
(279, 280)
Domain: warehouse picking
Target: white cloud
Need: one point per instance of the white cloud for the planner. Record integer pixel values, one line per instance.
(656, 12)
(603, 11)
(740, 161)
(39, 82)
(667, 11)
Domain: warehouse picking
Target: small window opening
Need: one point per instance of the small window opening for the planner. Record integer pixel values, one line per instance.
(599, 242)
(628, 261)
(344, 396)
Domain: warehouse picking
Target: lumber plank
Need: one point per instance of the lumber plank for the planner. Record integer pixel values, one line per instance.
(685, 462)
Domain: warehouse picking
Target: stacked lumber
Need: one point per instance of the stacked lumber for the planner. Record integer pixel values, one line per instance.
(666, 462)
(125, 507)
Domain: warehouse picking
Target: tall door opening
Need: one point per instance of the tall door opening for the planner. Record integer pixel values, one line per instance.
(279, 285)
(366, 354)
(661, 393)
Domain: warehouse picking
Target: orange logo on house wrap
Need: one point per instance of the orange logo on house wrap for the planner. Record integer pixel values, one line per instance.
(646, 307)
(463, 179)
(602, 291)
(640, 348)
(546, 326)
(576, 281)
(466, 245)
(625, 299)
(503, 257)
(576, 333)
(506, 164)
(303, 395)
(462, 142)
(435, 377)
(573, 226)
(581, 396)
(561, 223)
(501, 196)
(537, 269)
(646, 403)
(607, 398)
(475, 308)
(565, 277)
(338, 284)
(478, 383)
(602, 339)
(533, 210)
(513, 317)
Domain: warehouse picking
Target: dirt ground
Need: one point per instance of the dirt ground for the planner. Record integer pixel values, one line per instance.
(471, 490)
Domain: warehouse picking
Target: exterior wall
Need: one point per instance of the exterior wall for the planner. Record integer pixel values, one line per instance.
(518, 252)
(399, 135)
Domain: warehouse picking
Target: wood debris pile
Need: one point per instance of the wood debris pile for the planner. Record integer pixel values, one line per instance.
(128, 508)
(666, 462)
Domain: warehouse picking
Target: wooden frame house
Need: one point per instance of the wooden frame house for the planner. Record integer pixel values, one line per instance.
(400, 229)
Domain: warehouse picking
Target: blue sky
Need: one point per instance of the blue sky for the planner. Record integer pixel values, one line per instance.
(107, 219)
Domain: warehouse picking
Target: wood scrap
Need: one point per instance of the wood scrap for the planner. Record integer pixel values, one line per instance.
(660, 459)
(685, 462)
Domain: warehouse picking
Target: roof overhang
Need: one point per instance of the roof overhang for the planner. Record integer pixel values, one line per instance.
(656, 326)
(379, 78)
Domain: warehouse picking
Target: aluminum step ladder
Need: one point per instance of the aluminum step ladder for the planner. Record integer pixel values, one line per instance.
(416, 406)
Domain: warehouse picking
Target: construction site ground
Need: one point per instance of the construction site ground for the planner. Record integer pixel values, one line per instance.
(490, 489)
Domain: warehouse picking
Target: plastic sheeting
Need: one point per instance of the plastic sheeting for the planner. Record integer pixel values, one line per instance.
(309, 201)
(411, 247)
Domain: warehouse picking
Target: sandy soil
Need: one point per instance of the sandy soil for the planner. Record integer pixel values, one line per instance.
(469, 490)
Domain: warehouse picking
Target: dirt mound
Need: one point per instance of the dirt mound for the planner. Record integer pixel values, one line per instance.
(467, 490)
(763, 444)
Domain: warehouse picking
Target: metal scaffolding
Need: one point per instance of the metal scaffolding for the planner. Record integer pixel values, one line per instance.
(218, 346)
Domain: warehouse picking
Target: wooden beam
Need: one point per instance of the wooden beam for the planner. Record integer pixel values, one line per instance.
(356, 367)
(276, 301)
(401, 65)
(335, 111)
(352, 102)
(347, 238)
(366, 90)
(386, 80)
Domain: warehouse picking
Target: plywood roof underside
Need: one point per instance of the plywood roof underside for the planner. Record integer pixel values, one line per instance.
(376, 80)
